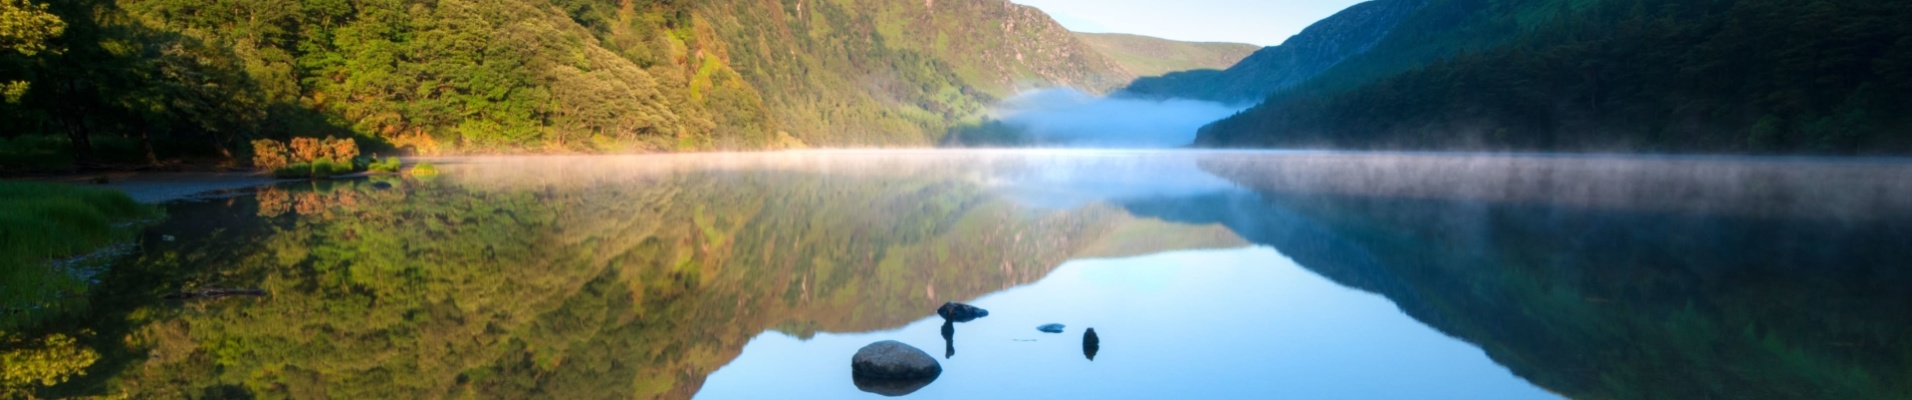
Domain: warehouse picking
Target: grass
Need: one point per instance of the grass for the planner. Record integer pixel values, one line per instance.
(44, 222)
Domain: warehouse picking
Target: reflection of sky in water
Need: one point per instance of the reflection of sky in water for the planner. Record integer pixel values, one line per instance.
(1244, 323)
(1069, 179)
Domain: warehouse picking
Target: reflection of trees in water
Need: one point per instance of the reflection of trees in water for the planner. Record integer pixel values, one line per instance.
(627, 288)
(1613, 302)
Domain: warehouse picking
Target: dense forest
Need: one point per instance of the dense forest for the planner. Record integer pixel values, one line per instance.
(1734, 76)
(134, 80)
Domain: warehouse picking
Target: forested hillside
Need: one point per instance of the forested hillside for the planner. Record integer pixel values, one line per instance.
(122, 80)
(1714, 76)
(1323, 45)
(1151, 56)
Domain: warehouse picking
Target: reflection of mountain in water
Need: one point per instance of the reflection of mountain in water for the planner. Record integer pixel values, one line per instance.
(1777, 293)
(563, 282)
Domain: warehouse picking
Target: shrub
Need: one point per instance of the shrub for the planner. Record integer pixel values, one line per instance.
(388, 165)
(321, 168)
(269, 155)
(341, 150)
(307, 149)
(272, 155)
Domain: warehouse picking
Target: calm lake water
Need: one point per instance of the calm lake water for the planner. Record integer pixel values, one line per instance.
(1224, 275)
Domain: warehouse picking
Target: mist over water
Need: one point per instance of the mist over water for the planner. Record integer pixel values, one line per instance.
(1066, 117)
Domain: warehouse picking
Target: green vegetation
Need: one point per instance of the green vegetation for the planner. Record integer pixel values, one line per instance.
(178, 79)
(1751, 76)
(501, 283)
(321, 168)
(41, 223)
(1148, 56)
(390, 165)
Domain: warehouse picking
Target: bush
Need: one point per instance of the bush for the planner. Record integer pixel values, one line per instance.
(272, 155)
(269, 155)
(386, 166)
(321, 168)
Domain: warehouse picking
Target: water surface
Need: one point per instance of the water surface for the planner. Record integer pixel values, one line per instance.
(1205, 274)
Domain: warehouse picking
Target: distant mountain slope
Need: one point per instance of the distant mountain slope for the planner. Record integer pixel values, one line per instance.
(896, 72)
(505, 76)
(1316, 49)
(1757, 76)
(1151, 56)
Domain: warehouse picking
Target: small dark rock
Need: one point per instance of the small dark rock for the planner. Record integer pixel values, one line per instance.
(1050, 328)
(960, 312)
(1091, 344)
(892, 360)
(381, 185)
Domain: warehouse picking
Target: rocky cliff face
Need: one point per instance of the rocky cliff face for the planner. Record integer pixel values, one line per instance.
(1322, 46)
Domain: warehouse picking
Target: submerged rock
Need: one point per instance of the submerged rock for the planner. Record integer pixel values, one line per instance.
(959, 312)
(892, 360)
(1091, 344)
(891, 387)
(1050, 328)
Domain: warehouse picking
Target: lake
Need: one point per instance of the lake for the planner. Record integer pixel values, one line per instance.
(1205, 274)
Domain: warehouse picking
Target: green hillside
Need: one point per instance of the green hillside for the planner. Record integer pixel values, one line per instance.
(106, 80)
(1712, 76)
(1149, 56)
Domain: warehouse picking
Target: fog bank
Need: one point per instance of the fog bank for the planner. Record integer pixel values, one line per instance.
(1070, 118)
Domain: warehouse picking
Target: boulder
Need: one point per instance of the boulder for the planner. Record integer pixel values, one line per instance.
(892, 360)
(1050, 328)
(959, 312)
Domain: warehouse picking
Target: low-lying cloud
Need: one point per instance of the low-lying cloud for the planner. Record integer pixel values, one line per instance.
(1071, 118)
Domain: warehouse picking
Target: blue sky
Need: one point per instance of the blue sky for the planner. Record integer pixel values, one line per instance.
(1262, 22)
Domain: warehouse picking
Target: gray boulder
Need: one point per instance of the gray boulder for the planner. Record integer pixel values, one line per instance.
(892, 360)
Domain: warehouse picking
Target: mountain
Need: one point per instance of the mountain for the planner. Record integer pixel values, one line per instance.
(1558, 268)
(465, 76)
(1150, 56)
(1688, 76)
(1321, 46)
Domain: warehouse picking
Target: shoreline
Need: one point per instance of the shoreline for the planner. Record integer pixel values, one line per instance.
(162, 187)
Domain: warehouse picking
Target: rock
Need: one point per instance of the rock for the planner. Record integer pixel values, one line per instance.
(1091, 344)
(960, 312)
(891, 387)
(1050, 328)
(892, 360)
